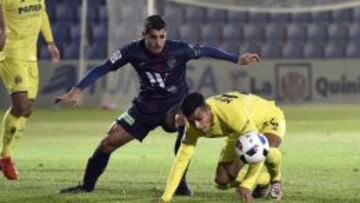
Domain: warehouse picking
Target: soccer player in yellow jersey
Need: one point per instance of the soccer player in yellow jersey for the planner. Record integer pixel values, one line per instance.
(231, 115)
(20, 24)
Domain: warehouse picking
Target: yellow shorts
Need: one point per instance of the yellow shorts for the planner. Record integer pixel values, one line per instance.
(274, 123)
(20, 76)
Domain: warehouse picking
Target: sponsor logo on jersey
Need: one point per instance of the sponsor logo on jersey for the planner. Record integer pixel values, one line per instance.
(29, 8)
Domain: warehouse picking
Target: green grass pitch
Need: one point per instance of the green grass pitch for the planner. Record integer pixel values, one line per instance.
(321, 159)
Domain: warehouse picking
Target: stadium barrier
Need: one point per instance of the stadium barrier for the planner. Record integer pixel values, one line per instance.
(287, 81)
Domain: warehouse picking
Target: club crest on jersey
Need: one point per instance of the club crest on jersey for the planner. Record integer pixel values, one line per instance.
(115, 56)
(18, 79)
(171, 63)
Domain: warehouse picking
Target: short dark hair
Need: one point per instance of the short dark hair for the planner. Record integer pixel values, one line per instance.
(154, 22)
(191, 102)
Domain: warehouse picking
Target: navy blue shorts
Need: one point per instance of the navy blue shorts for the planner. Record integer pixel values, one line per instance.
(139, 122)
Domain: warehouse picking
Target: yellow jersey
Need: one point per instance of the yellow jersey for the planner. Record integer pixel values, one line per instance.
(234, 113)
(24, 19)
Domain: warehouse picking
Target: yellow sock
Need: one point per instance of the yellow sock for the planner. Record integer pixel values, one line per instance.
(20, 132)
(273, 164)
(12, 128)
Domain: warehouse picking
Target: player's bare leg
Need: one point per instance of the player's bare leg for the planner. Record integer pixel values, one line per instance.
(116, 137)
(273, 165)
(227, 174)
(14, 122)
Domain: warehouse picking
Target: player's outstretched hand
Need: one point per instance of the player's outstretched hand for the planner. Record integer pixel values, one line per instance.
(54, 52)
(73, 97)
(247, 58)
(244, 194)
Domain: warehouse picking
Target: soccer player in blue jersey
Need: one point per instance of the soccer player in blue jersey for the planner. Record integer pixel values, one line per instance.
(162, 87)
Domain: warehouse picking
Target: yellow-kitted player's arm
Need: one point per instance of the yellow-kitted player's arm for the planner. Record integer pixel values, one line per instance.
(251, 175)
(244, 189)
(177, 170)
(182, 159)
(47, 34)
(2, 28)
(45, 27)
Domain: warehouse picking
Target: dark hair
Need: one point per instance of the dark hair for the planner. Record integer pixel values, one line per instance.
(191, 102)
(154, 22)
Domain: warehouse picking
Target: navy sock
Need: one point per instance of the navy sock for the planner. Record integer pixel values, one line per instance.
(94, 168)
(181, 132)
(180, 135)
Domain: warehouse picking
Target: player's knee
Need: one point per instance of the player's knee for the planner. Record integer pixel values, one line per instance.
(169, 124)
(107, 146)
(115, 138)
(169, 128)
(221, 183)
(109, 143)
(28, 112)
(22, 109)
(274, 140)
(221, 180)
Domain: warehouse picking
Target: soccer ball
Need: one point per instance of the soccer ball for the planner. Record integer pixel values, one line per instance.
(252, 147)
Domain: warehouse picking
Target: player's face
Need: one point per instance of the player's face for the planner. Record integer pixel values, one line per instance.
(155, 41)
(201, 119)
